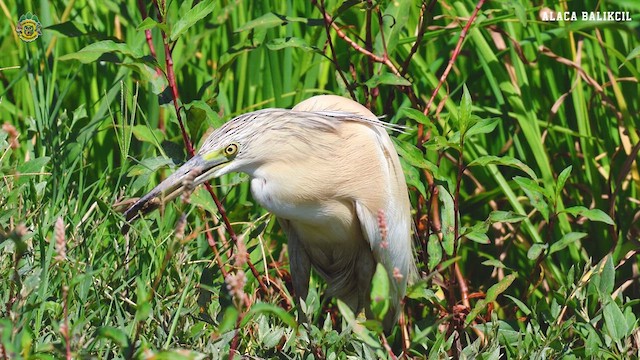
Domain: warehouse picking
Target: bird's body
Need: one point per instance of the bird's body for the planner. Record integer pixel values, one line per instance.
(329, 172)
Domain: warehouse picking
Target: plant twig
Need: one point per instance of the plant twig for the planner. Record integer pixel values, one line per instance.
(387, 347)
(404, 330)
(189, 145)
(64, 328)
(422, 27)
(171, 77)
(464, 290)
(333, 51)
(380, 59)
(453, 58)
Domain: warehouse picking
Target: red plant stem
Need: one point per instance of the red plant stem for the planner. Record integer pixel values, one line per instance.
(171, 77)
(214, 248)
(66, 323)
(370, 94)
(236, 337)
(421, 30)
(189, 145)
(147, 33)
(233, 235)
(404, 330)
(380, 59)
(452, 60)
(464, 291)
(152, 50)
(174, 91)
(386, 346)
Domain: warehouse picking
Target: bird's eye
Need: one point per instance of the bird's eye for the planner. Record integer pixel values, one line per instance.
(231, 149)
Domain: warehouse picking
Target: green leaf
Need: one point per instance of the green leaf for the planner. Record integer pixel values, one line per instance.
(494, 263)
(143, 306)
(272, 338)
(229, 320)
(479, 237)
(394, 18)
(148, 74)
(149, 165)
(499, 216)
(482, 126)
(346, 312)
(69, 29)
(92, 52)
(519, 10)
(448, 220)
(492, 295)
(32, 167)
(419, 291)
(387, 79)
(593, 341)
(607, 279)
(358, 328)
(504, 160)
(536, 194)
(521, 305)
(265, 21)
(464, 112)
(265, 308)
(380, 292)
(614, 321)
(562, 179)
(147, 24)
(506, 333)
(477, 232)
(192, 16)
(412, 176)
(146, 134)
(442, 143)
(633, 54)
(289, 42)
(434, 249)
(437, 349)
(116, 335)
(535, 250)
(565, 241)
(591, 214)
(411, 154)
(416, 115)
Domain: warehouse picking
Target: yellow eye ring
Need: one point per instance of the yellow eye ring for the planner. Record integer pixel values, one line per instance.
(231, 149)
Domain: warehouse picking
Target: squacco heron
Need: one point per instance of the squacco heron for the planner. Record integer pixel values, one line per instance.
(329, 172)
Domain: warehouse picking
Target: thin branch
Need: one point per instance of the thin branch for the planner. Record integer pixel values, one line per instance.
(464, 290)
(189, 145)
(392, 356)
(422, 27)
(370, 94)
(454, 56)
(147, 33)
(380, 59)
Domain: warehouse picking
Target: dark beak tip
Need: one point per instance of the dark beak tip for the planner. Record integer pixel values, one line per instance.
(141, 207)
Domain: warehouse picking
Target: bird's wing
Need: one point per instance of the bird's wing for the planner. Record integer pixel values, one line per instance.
(372, 233)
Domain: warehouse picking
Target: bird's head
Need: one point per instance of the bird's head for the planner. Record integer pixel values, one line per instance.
(240, 145)
(268, 136)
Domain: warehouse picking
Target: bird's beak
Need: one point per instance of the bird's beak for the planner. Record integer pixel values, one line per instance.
(194, 172)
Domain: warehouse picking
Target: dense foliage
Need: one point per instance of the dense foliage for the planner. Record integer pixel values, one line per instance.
(523, 175)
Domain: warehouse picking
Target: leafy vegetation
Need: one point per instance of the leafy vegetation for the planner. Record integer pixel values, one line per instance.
(523, 175)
